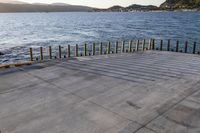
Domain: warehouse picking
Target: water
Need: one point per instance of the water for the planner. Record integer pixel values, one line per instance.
(19, 31)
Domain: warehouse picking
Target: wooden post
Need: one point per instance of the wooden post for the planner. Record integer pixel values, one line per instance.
(41, 53)
(177, 46)
(68, 52)
(116, 47)
(143, 44)
(76, 50)
(85, 49)
(108, 47)
(137, 45)
(59, 52)
(186, 46)
(123, 46)
(50, 53)
(153, 44)
(161, 45)
(168, 45)
(194, 48)
(93, 49)
(130, 46)
(31, 54)
(100, 48)
(150, 43)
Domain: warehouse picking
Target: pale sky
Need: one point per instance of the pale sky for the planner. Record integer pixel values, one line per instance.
(101, 3)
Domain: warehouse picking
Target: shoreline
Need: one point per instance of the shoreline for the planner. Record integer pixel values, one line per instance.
(177, 10)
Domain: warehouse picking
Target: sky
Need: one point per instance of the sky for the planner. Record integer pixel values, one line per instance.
(100, 3)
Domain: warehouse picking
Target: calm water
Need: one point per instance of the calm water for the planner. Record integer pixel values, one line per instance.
(19, 31)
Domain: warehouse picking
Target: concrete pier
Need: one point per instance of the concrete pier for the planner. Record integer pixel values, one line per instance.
(141, 92)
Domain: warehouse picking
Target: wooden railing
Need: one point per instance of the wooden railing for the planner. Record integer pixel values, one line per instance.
(108, 48)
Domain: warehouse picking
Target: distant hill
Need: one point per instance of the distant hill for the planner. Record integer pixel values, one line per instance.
(115, 8)
(55, 4)
(142, 7)
(130, 8)
(181, 4)
(60, 4)
(18, 6)
(7, 7)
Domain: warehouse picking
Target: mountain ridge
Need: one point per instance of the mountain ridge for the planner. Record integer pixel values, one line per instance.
(8, 7)
(18, 6)
(180, 4)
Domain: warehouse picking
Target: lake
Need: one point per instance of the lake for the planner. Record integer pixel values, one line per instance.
(20, 31)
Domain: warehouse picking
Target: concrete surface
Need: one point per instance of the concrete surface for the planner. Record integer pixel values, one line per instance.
(144, 92)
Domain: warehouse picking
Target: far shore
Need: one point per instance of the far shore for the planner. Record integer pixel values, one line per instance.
(114, 11)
